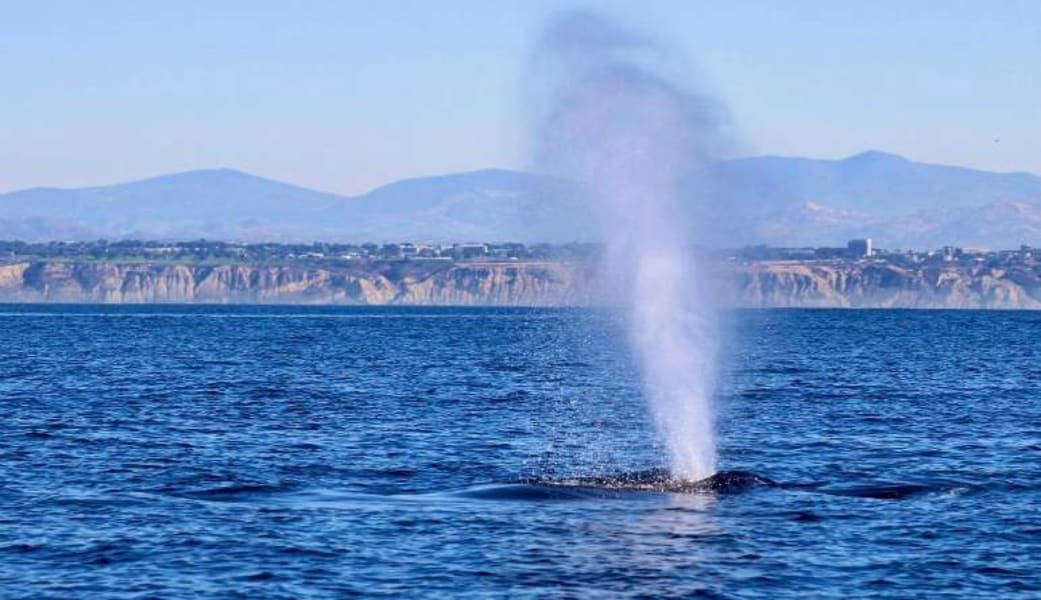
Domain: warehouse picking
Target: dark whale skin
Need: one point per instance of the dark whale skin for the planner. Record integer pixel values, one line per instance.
(660, 480)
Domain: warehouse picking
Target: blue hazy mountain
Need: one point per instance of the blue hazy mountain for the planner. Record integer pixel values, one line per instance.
(775, 200)
(492, 204)
(208, 203)
(902, 203)
(873, 183)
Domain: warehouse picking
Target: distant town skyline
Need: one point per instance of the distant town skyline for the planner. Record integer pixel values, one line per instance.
(343, 96)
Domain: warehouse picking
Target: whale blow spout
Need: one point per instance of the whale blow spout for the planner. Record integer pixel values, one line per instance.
(615, 112)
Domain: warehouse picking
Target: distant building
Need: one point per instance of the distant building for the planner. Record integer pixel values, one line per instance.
(506, 250)
(469, 251)
(859, 248)
(428, 252)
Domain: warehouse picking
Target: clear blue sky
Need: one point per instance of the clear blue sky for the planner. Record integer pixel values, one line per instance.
(342, 95)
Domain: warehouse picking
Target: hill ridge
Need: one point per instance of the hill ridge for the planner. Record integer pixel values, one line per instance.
(758, 199)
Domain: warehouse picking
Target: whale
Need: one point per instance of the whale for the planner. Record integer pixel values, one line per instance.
(661, 480)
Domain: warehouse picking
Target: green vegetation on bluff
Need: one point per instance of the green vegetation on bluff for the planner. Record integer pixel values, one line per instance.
(318, 253)
(427, 257)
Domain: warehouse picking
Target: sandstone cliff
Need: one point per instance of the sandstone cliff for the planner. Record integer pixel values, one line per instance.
(881, 285)
(760, 284)
(501, 284)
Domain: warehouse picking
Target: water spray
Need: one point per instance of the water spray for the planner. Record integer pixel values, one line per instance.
(610, 118)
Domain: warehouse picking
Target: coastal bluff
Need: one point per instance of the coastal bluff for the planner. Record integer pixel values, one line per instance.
(396, 283)
(764, 284)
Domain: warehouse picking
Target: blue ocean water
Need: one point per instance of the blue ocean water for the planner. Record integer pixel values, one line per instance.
(287, 452)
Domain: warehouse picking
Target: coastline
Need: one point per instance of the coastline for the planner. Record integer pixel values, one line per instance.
(762, 284)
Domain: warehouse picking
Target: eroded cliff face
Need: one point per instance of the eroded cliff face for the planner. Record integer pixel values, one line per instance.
(758, 285)
(881, 285)
(495, 284)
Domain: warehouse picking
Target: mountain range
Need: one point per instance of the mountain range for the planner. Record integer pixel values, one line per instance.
(760, 200)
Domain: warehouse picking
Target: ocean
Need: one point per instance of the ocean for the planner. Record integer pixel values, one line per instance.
(304, 452)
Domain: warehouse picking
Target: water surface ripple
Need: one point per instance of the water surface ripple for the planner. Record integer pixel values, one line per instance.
(330, 452)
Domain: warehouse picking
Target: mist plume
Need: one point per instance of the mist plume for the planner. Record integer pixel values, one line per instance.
(613, 112)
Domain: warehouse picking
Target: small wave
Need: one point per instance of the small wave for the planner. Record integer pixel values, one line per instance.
(896, 491)
(899, 490)
(235, 492)
(38, 435)
(520, 492)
